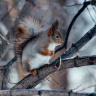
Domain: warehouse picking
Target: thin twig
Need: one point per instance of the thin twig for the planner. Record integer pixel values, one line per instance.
(4, 38)
(91, 16)
(8, 64)
(72, 5)
(86, 88)
(76, 4)
(93, 8)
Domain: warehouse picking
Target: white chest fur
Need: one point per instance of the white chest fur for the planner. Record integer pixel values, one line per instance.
(52, 46)
(40, 60)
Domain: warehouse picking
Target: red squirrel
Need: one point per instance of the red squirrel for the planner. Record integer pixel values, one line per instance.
(34, 47)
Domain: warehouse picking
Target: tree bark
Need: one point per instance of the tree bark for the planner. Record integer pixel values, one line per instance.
(31, 92)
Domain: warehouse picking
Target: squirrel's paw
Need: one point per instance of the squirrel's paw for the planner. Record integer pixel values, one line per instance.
(34, 72)
(51, 53)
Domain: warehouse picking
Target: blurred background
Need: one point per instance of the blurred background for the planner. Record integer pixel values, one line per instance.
(76, 79)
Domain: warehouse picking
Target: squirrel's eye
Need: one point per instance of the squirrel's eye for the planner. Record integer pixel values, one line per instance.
(57, 36)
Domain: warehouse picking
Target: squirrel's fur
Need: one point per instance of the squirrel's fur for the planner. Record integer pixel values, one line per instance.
(25, 29)
(33, 47)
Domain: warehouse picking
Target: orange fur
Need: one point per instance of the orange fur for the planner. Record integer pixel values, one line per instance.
(34, 72)
(49, 32)
(46, 53)
(20, 30)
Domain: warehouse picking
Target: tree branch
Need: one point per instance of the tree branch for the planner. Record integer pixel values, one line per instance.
(43, 93)
(31, 81)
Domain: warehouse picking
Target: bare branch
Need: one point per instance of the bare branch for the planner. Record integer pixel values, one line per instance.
(31, 81)
(31, 92)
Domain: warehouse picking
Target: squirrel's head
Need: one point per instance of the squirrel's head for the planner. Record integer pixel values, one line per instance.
(54, 33)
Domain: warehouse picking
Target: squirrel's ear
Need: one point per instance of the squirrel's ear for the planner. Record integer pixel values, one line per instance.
(55, 26)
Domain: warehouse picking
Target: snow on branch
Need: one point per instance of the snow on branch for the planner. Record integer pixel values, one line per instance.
(27, 92)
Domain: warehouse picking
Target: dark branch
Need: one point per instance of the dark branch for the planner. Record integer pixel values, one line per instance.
(85, 4)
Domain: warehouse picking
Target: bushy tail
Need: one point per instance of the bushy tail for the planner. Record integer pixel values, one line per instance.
(25, 30)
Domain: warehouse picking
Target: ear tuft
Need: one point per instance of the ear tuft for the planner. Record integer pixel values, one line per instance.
(55, 26)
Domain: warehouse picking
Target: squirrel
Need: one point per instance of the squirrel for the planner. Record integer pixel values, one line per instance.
(34, 47)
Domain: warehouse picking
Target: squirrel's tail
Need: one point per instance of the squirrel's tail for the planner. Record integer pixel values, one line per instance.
(25, 29)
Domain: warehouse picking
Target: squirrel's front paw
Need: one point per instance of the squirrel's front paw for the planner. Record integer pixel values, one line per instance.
(34, 72)
(51, 53)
